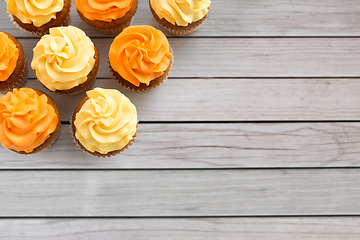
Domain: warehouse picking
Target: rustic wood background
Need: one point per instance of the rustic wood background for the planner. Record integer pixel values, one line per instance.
(255, 134)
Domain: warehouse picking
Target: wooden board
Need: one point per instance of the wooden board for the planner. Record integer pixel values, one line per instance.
(203, 166)
(180, 193)
(251, 18)
(234, 99)
(180, 146)
(194, 228)
(249, 57)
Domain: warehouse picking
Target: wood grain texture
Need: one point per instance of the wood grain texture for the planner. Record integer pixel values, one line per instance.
(234, 99)
(248, 57)
(180, 193)
(175, 229)
(243, 145)
(250, 18)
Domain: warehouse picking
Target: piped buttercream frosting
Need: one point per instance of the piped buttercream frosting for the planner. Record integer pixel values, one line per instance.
(181, 12)
(63, 59)
(106, 122)
(140, 54)
(9, 55)
(26, 119)
(37, 12)
(103, 10)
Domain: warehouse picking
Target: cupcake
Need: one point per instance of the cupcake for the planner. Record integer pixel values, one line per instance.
(66, 60)
(180, 17)
(29, 120)
(37, 17)
(140, 58)
(107, 16)
(13, 65)
(104, 123)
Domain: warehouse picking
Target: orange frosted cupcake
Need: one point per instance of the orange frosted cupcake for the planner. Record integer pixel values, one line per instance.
(140, 57)
(104, 123)
(107, 16)
(29, 121)
(65, 61)
(37, 17)
(13, 65)
(180, 17)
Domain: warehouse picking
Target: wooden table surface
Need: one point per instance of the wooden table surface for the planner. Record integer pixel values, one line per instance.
(255, 134)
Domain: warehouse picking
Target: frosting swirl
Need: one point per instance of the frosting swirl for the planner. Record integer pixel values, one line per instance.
(63, 59)
(26, 119)
(181, 12)
(104, 10)
(35, 12)
(106, 121)
(9, 55)
(140, 54)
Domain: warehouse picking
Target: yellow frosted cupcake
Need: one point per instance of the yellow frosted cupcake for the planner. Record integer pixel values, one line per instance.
(29, 121)
(13, 65)
(107, 16)
(180, 17)
(140, 57)
(65, 61)
(37, 17)
(104, 123)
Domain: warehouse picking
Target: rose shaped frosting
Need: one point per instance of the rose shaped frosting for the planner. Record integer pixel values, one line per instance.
(9, 55)
(181, 12)
(104, 10)
(26, 119)
(106, 121)
(140, 54)
(36, 12)
(63, 59)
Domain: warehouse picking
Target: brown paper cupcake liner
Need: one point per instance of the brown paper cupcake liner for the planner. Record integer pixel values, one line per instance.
(53, 136)
(96, 154)
(20, 81)
(115, 30)
(65, 22)
(179, 32)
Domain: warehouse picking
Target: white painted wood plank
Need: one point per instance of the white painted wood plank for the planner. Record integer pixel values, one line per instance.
(180, 193)
(250, 18)
(235, 99)
(243, 145)
(264, 57)
(333, 228)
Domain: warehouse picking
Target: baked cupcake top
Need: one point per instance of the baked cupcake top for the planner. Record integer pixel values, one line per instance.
(106, 122)
(63, 59)
(26, 119)
(36, 12)
(9, 55)
(181, 12)
(140, 54)
(103, 10)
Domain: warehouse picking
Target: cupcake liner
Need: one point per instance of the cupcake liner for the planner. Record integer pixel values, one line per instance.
(65, 22)
(153, 83)
(96, 154)
(115, 30)
(20, 81)
(179, 32)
